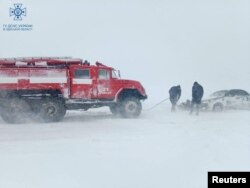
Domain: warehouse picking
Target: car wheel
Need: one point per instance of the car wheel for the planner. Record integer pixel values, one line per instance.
(218, 107)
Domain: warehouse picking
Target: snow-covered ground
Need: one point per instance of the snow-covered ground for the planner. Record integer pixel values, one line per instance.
(96, 150)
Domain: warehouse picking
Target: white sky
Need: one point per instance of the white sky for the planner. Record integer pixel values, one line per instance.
(160, 43)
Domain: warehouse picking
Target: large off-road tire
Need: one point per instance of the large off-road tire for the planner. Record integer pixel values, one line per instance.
(16, 110)
(52, 110)
(218, 107)
(130, 107)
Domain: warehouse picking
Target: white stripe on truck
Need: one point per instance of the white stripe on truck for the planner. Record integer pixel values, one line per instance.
(82, 81)
(8, 80)
(33, 80)
(37, 80)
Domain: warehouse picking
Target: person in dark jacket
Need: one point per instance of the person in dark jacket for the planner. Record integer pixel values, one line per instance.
(174, 96)
(197, 94)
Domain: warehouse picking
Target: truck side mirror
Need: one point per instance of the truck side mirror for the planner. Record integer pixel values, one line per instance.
(119, 74)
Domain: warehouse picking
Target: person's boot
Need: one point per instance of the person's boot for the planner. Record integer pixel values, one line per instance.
(173, 108)
(197, 112)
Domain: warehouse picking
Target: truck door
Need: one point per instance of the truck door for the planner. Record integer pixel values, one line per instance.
(81, 83)
(104, 84)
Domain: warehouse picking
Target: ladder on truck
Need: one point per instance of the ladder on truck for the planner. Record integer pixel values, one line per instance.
(39, 61)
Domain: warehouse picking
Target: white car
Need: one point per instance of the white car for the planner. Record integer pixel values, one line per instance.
(227, 99)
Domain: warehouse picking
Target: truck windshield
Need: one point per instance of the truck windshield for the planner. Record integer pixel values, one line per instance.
(115, 74)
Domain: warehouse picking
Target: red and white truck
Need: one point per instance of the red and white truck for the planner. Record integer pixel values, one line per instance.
(43, 88)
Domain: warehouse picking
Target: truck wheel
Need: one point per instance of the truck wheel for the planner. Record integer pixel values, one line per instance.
(130, 107)
(52, 111)
(218, 107)
(16, 111)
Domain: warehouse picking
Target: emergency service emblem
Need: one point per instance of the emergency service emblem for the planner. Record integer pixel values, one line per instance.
(18, 12)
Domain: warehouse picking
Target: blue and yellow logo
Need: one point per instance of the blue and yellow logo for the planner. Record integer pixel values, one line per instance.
(18, 12)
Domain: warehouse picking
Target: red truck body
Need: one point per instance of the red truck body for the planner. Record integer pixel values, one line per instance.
(76, 84)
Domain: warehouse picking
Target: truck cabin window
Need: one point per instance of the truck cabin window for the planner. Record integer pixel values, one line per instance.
(83, 74)
(103, 74)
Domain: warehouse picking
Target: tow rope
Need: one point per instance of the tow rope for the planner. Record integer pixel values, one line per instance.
(156, 104)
